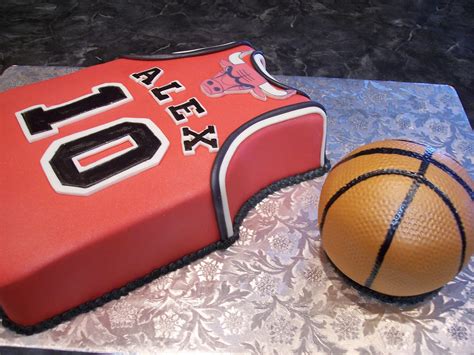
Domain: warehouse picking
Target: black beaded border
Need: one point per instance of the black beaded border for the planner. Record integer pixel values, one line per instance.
(186, 260)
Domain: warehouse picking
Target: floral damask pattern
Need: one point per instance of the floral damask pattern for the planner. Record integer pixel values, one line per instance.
(274, 290)
(282, 331)
(346, 326)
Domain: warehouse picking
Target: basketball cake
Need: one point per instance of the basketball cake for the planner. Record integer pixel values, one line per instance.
(397, 217)
(124, 171)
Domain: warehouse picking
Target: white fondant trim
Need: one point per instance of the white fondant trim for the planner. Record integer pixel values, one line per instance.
(260, 61)
(55, 126)
(76, 160)
(72, 190)
(140, 79)
(247, 133)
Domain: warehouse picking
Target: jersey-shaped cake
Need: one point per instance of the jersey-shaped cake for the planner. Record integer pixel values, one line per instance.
(121, 172)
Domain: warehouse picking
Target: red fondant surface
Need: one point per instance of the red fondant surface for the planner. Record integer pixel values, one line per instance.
(271, 154)
(58, 251)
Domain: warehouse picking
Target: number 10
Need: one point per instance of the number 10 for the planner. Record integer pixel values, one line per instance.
(61, 161)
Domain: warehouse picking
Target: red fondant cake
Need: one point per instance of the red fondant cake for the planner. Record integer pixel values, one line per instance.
(121, 172)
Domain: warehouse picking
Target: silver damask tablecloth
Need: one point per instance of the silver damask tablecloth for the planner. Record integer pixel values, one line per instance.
(274, 291)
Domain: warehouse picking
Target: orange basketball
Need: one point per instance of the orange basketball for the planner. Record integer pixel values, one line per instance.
(398, 217)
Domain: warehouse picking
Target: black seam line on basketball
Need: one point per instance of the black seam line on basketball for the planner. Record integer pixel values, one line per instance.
(426, 145)
(185, 260)
(385, 150)
(400, 300)
(396, 220)
(422, 180)
(426, 159)
(398, 217)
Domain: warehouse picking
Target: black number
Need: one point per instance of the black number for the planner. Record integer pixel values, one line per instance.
(40, 121)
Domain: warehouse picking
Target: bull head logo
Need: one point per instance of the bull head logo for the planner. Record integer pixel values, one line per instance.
(237, 76)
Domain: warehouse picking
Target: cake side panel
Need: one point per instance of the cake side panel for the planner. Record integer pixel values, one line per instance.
(277, 151)
(281, 143)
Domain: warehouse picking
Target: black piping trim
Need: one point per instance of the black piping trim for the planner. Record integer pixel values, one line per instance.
(186, 260)
(188, 54)
(215, 188)
(415, 176)
(408, 153)
(397, 219)
(271, 80)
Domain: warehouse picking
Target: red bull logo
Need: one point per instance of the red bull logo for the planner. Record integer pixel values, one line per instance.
(238, 77)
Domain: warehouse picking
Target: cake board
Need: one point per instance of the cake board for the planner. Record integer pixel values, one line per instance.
(274, 289)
